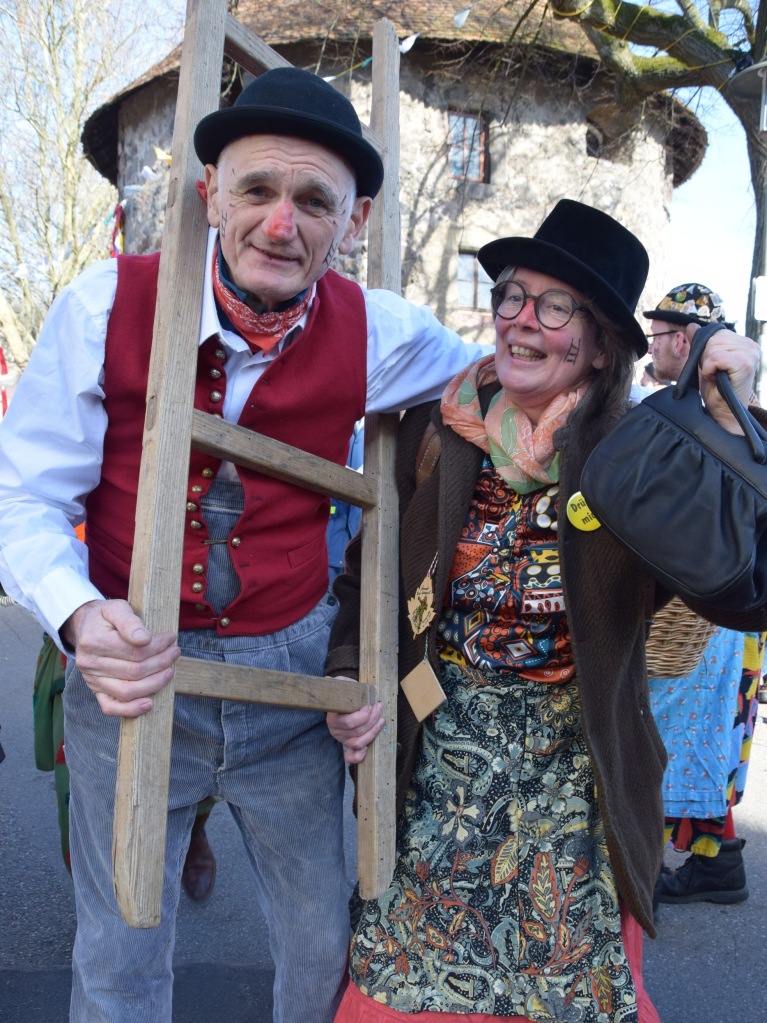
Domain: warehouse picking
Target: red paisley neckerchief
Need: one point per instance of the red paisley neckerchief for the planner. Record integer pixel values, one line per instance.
(262, 331)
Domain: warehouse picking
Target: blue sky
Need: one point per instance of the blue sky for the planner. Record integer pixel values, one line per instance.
(713, 216)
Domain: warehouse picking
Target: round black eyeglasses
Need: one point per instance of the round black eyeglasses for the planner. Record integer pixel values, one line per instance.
(553, 309)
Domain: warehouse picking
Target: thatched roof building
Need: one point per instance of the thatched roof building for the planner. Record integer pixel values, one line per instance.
(502, 113)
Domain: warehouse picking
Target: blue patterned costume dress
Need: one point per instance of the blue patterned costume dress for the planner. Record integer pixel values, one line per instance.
(503, 900)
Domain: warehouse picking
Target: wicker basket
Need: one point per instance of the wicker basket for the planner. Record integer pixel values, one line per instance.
(676, 642)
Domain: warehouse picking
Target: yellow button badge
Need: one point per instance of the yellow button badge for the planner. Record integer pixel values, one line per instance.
(580, 515)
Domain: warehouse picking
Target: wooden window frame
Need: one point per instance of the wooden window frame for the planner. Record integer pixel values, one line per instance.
(470, 147)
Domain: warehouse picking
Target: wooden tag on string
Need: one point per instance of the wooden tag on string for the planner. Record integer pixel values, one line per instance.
(423, 691)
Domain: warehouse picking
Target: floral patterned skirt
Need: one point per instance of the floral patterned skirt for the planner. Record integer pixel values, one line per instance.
(503, 901)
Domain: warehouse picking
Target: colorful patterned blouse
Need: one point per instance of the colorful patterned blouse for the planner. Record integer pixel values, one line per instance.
(504, 608)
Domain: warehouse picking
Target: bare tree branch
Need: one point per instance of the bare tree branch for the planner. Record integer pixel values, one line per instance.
(744, 9)
(59, 60)
(690, 51)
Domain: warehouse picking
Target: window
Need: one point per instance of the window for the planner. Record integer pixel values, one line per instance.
(467, 139)
(473, 283)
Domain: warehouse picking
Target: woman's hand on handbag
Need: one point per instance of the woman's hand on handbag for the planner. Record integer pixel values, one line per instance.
(355, 731)
(739, 357)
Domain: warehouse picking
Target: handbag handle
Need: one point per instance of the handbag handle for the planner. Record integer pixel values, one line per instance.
(755, 433)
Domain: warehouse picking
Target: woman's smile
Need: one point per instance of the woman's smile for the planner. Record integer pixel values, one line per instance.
(522, 352)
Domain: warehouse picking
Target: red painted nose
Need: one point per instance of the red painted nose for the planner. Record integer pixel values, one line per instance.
(280, 225)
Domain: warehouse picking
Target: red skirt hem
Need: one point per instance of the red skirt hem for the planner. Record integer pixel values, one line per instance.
(358, 1008)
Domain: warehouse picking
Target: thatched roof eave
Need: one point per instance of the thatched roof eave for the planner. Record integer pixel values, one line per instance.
(348, 25)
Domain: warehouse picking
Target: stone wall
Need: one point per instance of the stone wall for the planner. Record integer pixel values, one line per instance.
(538, 154)
(145, 121)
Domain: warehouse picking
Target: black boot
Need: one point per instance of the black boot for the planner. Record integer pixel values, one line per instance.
(665, 872)
(720, 878)
(199, 873)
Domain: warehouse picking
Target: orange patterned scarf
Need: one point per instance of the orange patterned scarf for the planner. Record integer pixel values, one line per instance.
(522, 455)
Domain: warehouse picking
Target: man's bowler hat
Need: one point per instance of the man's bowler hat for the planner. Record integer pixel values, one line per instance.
(289, 101)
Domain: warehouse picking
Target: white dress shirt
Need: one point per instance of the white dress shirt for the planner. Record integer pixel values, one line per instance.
(51, 439)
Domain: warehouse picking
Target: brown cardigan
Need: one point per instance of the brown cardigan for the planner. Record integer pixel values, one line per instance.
(609, 602)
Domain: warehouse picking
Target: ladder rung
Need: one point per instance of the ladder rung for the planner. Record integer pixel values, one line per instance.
(222, 439)
(247, 50)
(258, 685)
(252, 53)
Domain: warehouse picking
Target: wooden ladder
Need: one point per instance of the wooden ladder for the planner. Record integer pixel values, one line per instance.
(173, 425)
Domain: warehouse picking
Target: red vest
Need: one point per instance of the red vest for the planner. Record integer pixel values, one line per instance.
(310, 397)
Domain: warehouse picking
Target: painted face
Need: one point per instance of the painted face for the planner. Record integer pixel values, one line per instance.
(283, 207)
(534, 363)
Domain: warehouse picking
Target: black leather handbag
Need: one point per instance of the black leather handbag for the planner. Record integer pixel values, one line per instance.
(684, 496)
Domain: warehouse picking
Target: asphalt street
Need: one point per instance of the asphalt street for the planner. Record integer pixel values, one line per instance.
(706, 965)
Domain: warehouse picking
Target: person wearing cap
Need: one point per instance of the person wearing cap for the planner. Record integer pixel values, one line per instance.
(674, 322)
(649, 377)
(287, 347)
(706, 719)
(529, 770)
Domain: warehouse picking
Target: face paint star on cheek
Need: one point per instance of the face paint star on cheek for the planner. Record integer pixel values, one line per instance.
(573, 351)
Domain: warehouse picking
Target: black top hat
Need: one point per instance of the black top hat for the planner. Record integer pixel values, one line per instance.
(586, 249)
(289, 101)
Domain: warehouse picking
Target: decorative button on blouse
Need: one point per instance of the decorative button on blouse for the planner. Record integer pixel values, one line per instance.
(197, 587)
(198, 569)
